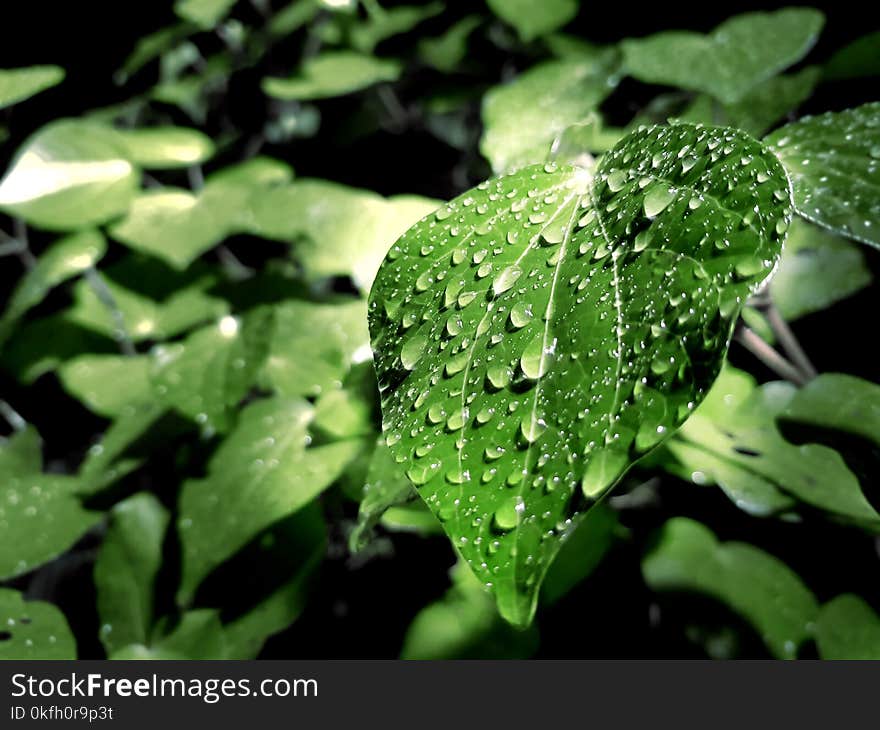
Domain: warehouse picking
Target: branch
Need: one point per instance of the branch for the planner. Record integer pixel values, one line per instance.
(767, 355)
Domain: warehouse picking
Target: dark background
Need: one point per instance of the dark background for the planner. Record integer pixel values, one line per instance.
(363, 610)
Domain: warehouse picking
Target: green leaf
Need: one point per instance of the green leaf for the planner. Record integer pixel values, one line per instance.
(732, 439)
(18, 84)
(817, 269)
(540, 333)
(70, 174)
(126, 570)
(445, 52)
(33, 629)
(204, 13)
(848, 628)
(382, 24)
(41, 515)
(333, 73)
(731, 60)
(261, 473)
(857, 60)
(754, 584)
(386, 486)
(833, 160)
(107, 384)
(299, 363)
(532, 20)
(770, 101)
(199, 635)
(148, 48)
(208, 374)
(838, 402)
(63, 260)
(521, 119)
(465, 624)
(165, 147)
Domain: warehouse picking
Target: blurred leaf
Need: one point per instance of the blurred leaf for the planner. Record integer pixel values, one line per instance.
(126, 570)
(732, 440)
(521, 119)
(293, 16)
(577, 143)
(148, 48)
(848, 628)
(587, 542)
(731, 60)
(445, 52)
(859, 59)
(107, 384)
(756, 585)
(386, 485)
(838, 402)
(18, 84)
(315, 345)
(70, 174)
(532, 20)
(199, 635)
(208, 374)
(333, 73)
(771, 100)
(382, 24)
(204, 13)
(165, 147)
(33, 629)
(817, 269)
(41, 515)
(63, 260)
(465, 624)
(546, 329)
(261, 473)
(833, 160)
(563, 45)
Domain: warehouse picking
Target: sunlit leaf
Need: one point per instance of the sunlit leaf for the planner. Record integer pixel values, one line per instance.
(521, 119)
(384, 23)
(817, 269)
(70, 174)
(262, 472)
(126, 570)
(833, 160)
(728, 62)
(333, 73)
(40, 515)
(204, 13)
(107, 384)
(18, 84)
(540, 333)
(165, 147)
(533, 20)
(33, 629)
(759, 587)
(848, 628)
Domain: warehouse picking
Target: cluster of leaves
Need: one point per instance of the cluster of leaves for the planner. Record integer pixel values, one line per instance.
(533, 338)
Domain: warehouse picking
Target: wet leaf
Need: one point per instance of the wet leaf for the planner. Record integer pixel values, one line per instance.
(540, 333)
(833, 160)
(848, 628)
(107, 384)
(262, 472)
(521, 119)
(817, 269)
(126, 569)
(333, 73)
(731, 60)
(762, 589)
(70, 174)
(18, 84)
(41, 515)
(33, 629)
(532, 20)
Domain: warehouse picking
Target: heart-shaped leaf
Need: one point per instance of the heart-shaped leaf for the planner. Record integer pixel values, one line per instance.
(729, 61)
(541, 332)
(833, 160)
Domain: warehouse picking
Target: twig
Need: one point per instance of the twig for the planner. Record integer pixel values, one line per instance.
(760, 349)
(105, 296)
(13, 418)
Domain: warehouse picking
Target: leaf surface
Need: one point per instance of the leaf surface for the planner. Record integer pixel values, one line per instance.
(33, 629)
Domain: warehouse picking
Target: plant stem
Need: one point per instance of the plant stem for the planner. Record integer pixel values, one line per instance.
(12, 416)
(789, 342)
(105, 296)
(749, 339)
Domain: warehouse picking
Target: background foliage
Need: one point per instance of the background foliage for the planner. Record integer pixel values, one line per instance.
(192, 220)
